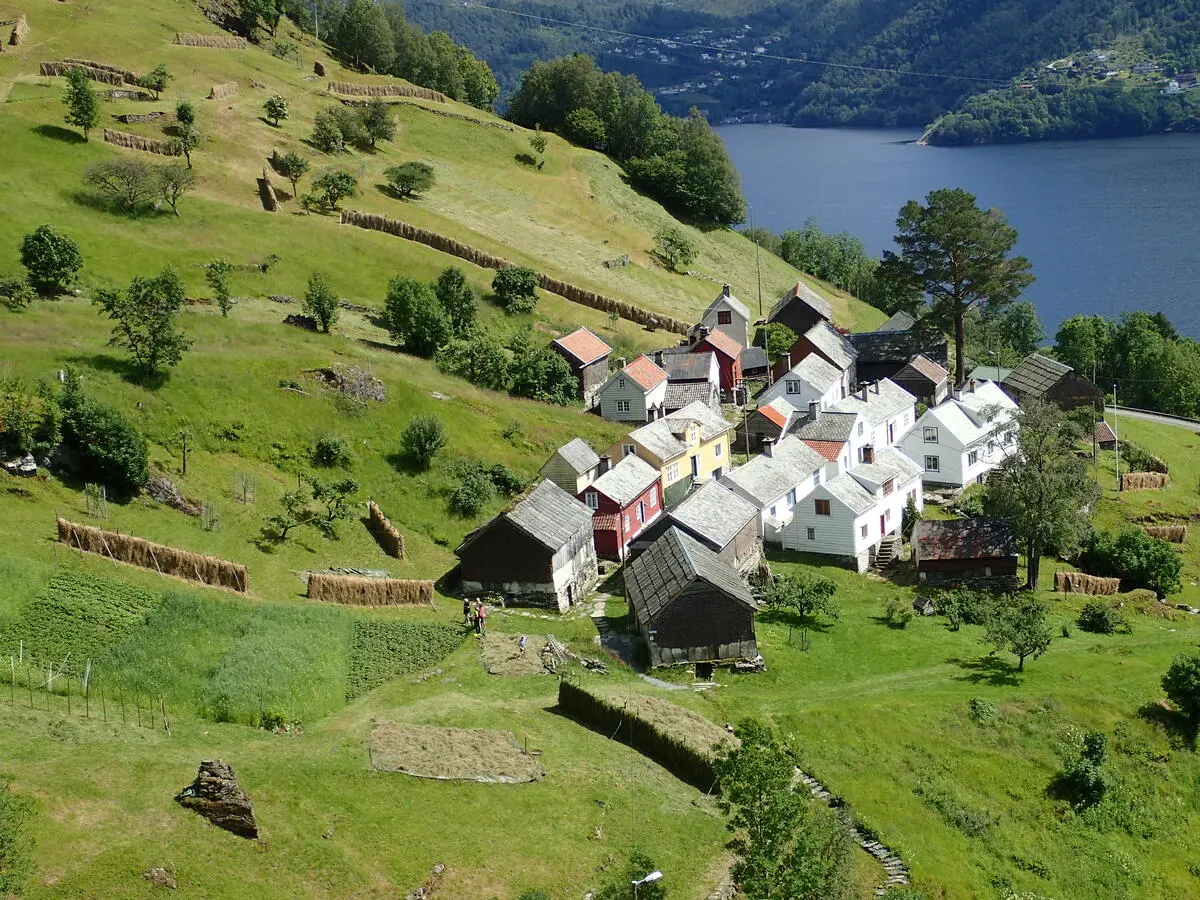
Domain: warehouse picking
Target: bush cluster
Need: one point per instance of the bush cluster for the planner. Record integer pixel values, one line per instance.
(1101, 617)
(337, 128)
(478, 484)
(1139, 560)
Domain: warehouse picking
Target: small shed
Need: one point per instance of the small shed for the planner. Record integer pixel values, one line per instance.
(538, 552)
(689, 604)
(588, 358)
(1042, 378)
(1106, 438)
(975, 553)
(573, 466)
(925, 379)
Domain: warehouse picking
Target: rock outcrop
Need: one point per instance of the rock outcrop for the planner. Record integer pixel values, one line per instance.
(216, 795)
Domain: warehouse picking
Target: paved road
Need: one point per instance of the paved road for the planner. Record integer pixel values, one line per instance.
(1161, 419)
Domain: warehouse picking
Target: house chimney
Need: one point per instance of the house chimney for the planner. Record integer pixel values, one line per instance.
(768, 447)
(875, 387)
(621, 362)
(605, 465)
(868, 454)
(971, 385)
(957, 393)
(658, 358)
(814, 409)
(862, 394)
(724, 290)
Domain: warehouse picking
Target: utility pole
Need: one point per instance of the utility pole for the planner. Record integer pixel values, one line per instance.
(1117, 442)
(757, 260)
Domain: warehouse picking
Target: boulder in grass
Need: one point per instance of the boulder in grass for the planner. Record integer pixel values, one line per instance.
(216, 795)
(25, 466)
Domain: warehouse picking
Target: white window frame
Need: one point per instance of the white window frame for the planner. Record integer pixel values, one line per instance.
(791, 498)
(794, 386)
(972, 457)
(673, 472)
(929, 434)
(864, 529)
(861, 427)
(641, 512)
(937, 464)
(592, 499)
(812, 534)
(817, 478)
(628, 449)
(717, 450)
(622, 406)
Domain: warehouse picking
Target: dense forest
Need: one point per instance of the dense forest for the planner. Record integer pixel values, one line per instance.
(898, 62)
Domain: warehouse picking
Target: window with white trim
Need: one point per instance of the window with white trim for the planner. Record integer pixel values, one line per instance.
(641, 511)
(816, 477)
(860, 429)
(628, 449)
(933, 464)
(793, 387)
(592, 499)
(622, 406)
(930, 433)
(812, 534)
(863, 531)
(653, 500)
(626, 517)
(791, 498)
(972, 457)
(673, 472)
(717, 451)
(620, 382)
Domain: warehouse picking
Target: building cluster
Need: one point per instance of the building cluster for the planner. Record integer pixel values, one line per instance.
(848, 432)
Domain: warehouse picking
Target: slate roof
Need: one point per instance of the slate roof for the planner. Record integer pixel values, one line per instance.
(549, 515)
(754, 358)
(734, 303)
(659, 436)
(833, 344)
(962, 539)
(627, 480)
(687, 366)
(722, 342)
(817, 372)
(900, 321)
(682, 394)
(835, 425)
(584, 346)
(802, 293)
(850, 493)
(712, 423)
(644, 373)
(714, 512)
(889, 463)
(884, 399)
(923, 365)
(670, 564)
(1035, 375)
(578, 455)
(899, 346)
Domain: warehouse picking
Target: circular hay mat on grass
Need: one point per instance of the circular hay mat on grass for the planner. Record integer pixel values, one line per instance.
(452, 754)
(501, 654)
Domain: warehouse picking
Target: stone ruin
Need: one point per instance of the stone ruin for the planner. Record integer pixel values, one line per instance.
(217, 796)
(352, 381)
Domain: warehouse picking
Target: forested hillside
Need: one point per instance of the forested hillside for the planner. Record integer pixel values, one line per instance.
(897, 62)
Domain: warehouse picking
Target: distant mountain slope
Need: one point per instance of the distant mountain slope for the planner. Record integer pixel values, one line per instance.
(971, 45)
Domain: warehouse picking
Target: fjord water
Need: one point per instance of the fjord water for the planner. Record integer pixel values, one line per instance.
(1109, 225)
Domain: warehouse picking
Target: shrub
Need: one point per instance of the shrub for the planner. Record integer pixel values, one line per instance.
(421, 439)
(327, 132)
(982, 711)
(963, 606)
(321, 302)
(1083, 780)
(414, 316)
(217, 275)
(409, 178)
(30, 418)
(1182, 686)
(909, 519)
(1100, 617)
(16, 292)
(1139, 560)
(515, 288)
(505, 480)
(474, 491)
(107, 448)
(586, 128)
(970, 502)
(185, 113)
(52, 260)
(540, 374)
(330, 451)
(334, 187)
(276, 108)
(897, 611)
(1138, 459)
(778, 339)
(534, 894)
(674, 248)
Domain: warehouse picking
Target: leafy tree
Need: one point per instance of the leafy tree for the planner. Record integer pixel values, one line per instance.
(30, 418)
(107, 448)
(841, 259)
(636, 867)
(52, 260)
(1018, 624)
(350, 124)
(584, 127)
(145, 314)
(674, 248)
(337, 499)
(1085, 343)
(479, 85)
(189, 139)
(515, 288)
(276, 108)
(363, 35)
(16, 843)
(414, 316)
(458, 300)
(217, 275)
(538, 143)
(185, 113)
(409, 178)
(16, 292)
(764, 238)
(83, 109)
(321, 301)
(911, 517)
(1043, 489)
(132, 183)
(474, 491)
(327, 132)
(787, 846)
(803, 596)
(378, 122)
(1139, 560)
(957, 254)
(293, 167)
(479, 357)
(540, 374)
(1100, 617)
(173, 182)
(779, 340)
(156, 79)
(335, 186)
(294, 512)
(421, 439)
(963, 606)
(1182, 685)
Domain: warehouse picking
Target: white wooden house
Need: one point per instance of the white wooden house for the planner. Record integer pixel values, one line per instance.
(776, 481)
(812, 379)
(959, 441)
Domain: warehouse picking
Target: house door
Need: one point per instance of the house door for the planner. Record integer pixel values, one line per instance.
(892, 433)
(882, 526)
(695, 466)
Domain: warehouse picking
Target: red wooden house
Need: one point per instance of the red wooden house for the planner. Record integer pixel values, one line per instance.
(625, 499)
(728, 353)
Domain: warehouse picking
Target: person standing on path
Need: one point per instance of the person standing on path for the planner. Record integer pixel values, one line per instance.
(466, 611)
(481, 612)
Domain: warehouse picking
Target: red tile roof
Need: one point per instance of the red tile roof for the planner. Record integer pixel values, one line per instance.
(1104, 433)
(722, 343)
(605, 522)
(773, 415)
(831, 450)
(584, 346)
(645, 373)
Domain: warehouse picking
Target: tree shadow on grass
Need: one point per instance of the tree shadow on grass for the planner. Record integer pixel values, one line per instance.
(58, 133)
(1174, 724)
(404, 464)
(986, 670)
(110, 207)
(791, 620)
(526, 160)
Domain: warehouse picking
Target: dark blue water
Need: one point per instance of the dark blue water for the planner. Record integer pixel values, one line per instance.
(1108, 225)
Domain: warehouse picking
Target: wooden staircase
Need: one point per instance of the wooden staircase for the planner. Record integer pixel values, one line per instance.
(888, 551)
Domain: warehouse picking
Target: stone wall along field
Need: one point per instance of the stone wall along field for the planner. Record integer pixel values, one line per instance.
(126, 76)
(1175, 534)
(487, 260)
(353, 590)
(676, 738)
(223, 91)
(216, 41)
(132, 118)
(1145, 481)
(158, 557)
(386, 90)
(1079, 583)
(57, 69)
(20, 31)
(266, 192)
(137, 142)
(385, 533)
